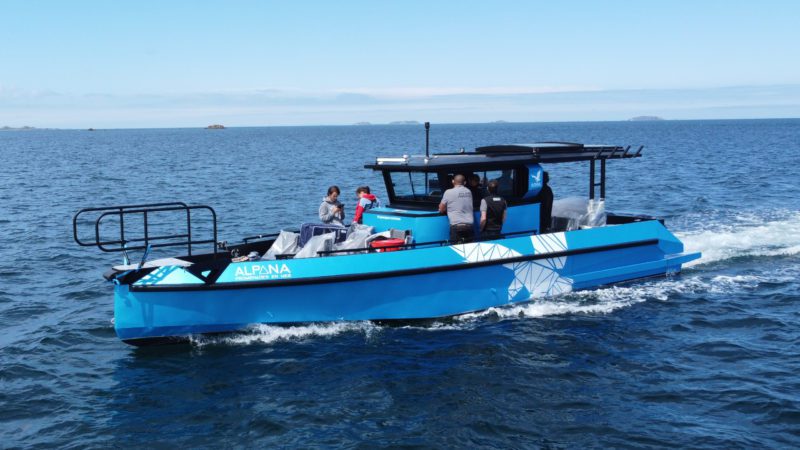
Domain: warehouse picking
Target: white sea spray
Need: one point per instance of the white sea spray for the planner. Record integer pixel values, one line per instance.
(268, 334)
(745, 237)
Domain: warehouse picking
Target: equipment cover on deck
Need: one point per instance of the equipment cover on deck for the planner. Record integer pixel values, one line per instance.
(309, 230)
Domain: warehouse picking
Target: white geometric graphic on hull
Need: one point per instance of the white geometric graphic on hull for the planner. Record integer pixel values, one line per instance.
(478, 252)
(169, 275)
(538, 277)
(549, 243)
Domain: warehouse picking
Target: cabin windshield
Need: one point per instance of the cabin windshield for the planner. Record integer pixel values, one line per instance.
(416, 186)
(426, 188)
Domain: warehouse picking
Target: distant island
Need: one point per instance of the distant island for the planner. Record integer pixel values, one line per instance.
(25, 128)
(500, 121)
(644, 118)
(362, 123)
(216, 126)
(404, 122)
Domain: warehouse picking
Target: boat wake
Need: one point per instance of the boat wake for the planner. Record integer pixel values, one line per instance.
(609, 299)
(749, 236)
(268, 334)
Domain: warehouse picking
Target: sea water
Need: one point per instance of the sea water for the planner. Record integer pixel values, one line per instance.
(709, 358)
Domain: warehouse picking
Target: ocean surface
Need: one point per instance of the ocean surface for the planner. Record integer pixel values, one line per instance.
(709, 358)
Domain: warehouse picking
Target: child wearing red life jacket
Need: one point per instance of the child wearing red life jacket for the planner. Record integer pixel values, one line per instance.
(366, 201)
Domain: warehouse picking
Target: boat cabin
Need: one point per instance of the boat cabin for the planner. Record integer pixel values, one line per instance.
(415, 184)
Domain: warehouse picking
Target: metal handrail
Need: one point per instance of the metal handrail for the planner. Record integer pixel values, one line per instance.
(111, 208)
(144, 209)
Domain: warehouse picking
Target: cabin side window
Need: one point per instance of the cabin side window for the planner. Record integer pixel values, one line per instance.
(505, 181)
(416, 187)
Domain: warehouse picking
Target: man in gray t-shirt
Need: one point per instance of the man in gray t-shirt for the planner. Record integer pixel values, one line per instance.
(457, 203)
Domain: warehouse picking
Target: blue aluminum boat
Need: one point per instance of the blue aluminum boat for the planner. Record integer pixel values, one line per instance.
(540, 253)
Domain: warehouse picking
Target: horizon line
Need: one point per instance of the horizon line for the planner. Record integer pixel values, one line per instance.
(8, 128)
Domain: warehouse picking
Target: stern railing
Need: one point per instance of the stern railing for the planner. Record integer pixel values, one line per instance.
(145, 240)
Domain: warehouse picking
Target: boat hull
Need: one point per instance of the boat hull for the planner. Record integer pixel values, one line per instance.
(404, 285)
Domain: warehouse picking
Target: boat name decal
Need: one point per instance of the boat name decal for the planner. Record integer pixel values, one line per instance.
(389, 218)
(263, 272)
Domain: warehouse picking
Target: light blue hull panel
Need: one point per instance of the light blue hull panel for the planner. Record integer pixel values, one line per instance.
(411, 284)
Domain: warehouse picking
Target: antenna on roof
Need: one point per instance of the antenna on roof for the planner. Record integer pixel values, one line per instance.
(427, 137)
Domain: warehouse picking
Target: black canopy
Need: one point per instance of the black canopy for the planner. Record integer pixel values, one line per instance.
(494, 157)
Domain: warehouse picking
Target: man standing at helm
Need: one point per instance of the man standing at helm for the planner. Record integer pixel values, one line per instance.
(457, 203)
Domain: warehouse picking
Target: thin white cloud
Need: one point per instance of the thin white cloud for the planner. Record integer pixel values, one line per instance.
(421, 92)
(13, 92)
(296, 107)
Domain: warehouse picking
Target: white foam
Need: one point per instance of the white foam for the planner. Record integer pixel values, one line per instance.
(745, 238)
(544, 308)
(435, 326)
(721, 282)
(267, 334)
(610, 299)
(600, 301)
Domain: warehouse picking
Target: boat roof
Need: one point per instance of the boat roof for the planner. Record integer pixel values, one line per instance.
(504, 156)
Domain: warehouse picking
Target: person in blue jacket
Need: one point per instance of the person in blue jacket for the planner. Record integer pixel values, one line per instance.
(366, 200)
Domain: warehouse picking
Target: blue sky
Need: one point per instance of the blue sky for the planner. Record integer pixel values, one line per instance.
(181, 63)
